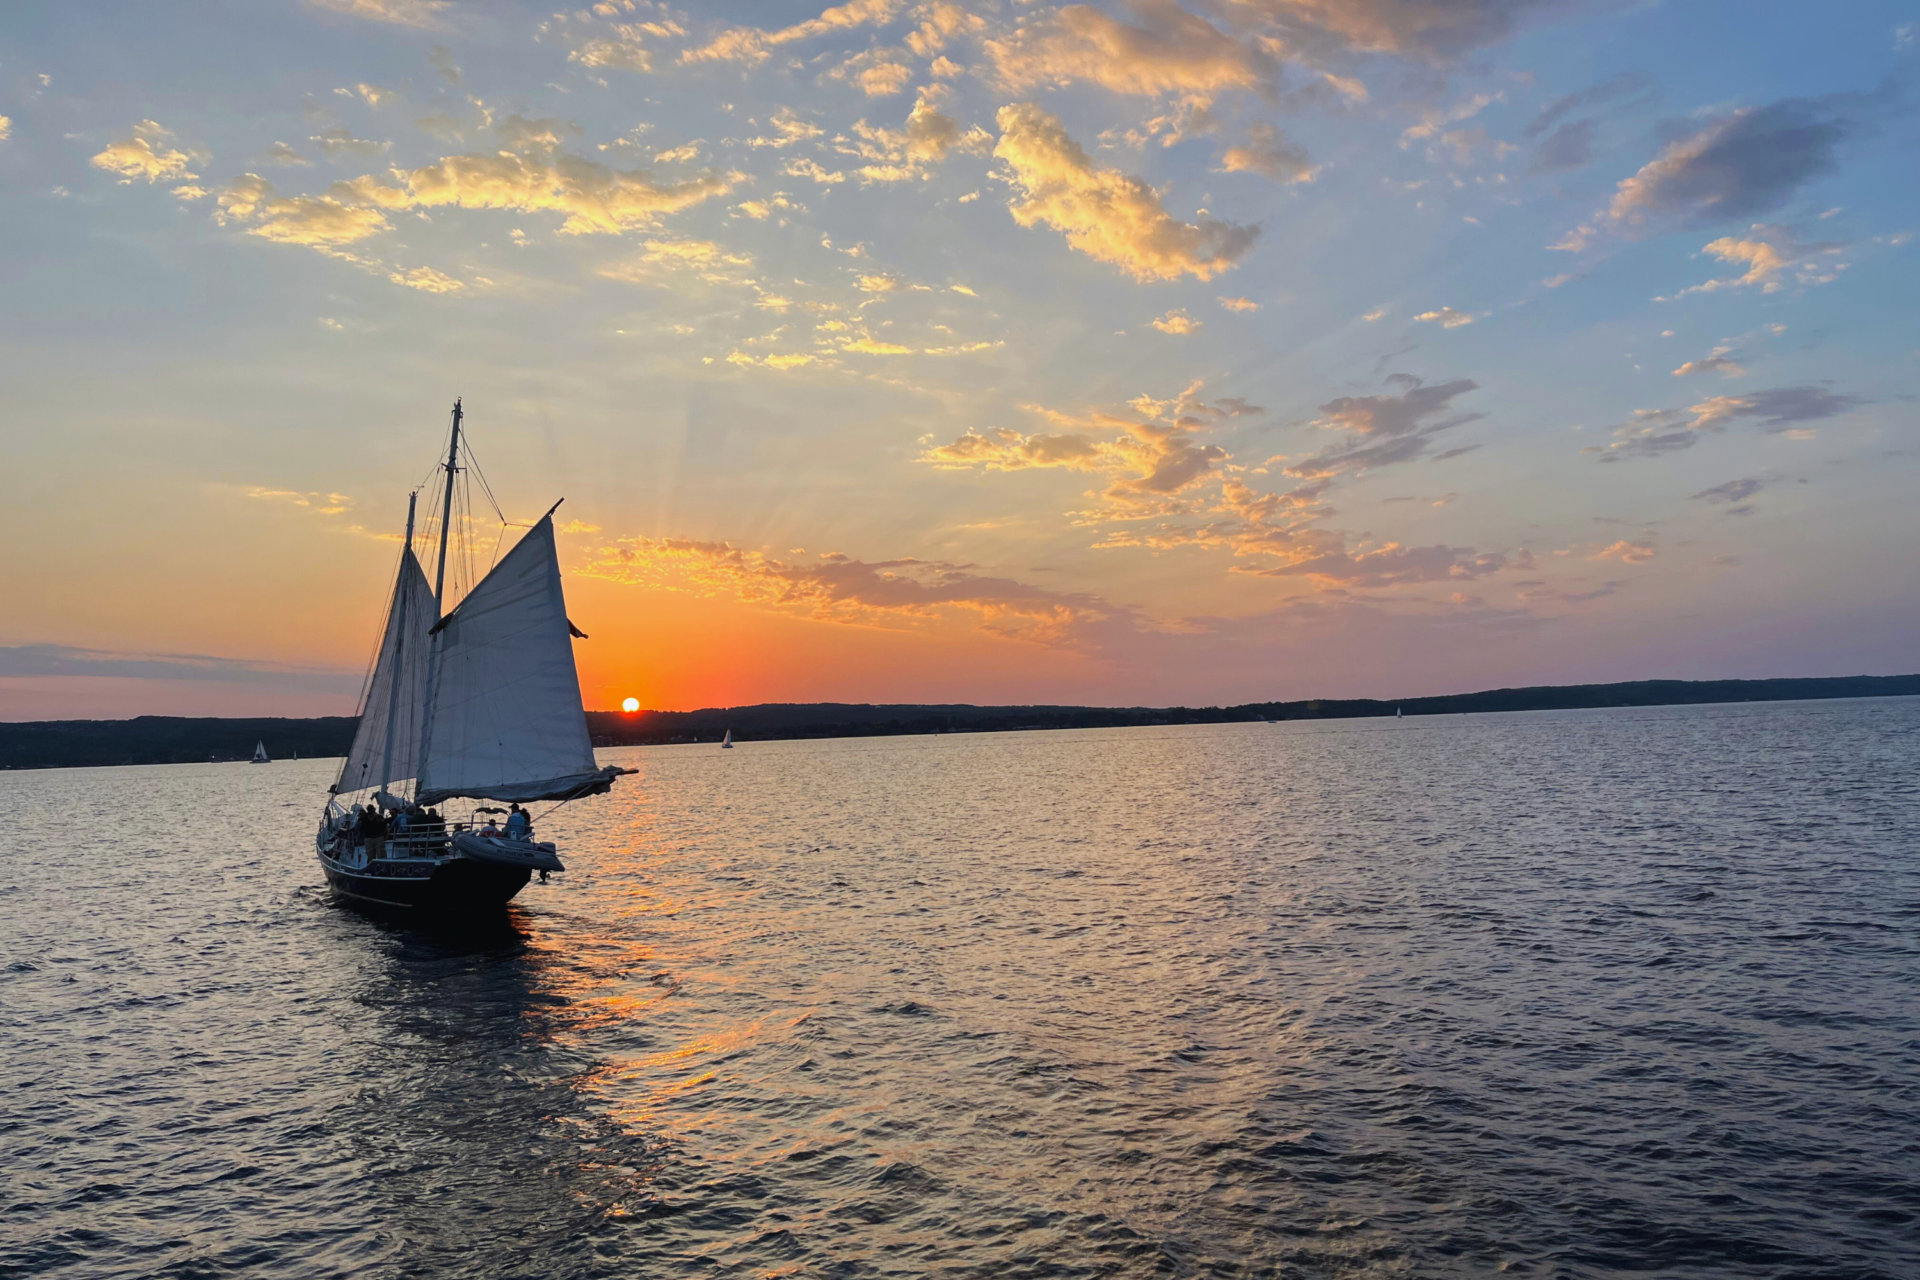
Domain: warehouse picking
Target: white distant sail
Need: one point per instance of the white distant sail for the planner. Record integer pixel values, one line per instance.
(728, 740)
(385, 752)
(506, 722)
(260, 754)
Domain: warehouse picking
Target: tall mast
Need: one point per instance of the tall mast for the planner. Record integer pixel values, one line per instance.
(399, 650)
(446, 511)
(439, 581)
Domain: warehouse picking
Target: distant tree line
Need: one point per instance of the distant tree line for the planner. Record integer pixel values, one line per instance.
(56, 744)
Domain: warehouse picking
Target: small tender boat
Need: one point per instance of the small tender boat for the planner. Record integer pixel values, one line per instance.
(260, 754)
(479, 702)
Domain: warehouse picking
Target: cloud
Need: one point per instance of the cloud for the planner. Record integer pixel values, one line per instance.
(1448, 318)
(705, 258)
(879, 73)
(1430, 30)
(1599, 95)
(1767, 252)
(1650, 433)
(1004, 450)
(1239, 304)
(1570, 147)
(1108, 215)
(867, 345)
(6, 128)
(837, 588)
(1435, 119)
(750, 44)
(1745, 163)
(1719, 360)
(1149, 458)
(1625, 552)
(1391, 428)
(147, 153)
(596, 199)
(1271, 154)
(1733, 491)
(339, 142)
(1177, 321)
(427, 280)
(441, 60)
(403, 13)
(1170, 51)
(42, 660)
(313, 221)
(926, 138)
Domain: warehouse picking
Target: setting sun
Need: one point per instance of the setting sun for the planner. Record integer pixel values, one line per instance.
(631, 704)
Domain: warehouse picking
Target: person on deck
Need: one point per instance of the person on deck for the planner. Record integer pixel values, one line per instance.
(519, 825)
(490, 831)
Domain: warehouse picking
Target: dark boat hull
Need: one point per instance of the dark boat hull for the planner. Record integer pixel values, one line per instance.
(460, 885)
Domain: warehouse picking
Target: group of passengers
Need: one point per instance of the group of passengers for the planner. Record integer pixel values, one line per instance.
(371, 827)
(519, 826)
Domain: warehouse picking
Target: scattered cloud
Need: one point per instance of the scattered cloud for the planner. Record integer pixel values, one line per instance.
(1177, 321)
(1734, 494)
(1448, 318)
(1239, 304)
(1780, 410)
(427, 280)
(6, 128)
(341, 142)
(1719, 360)
(403, 13)
(751, 44)
(1171, 50)
(1746, 162)
(1389, 428)
(1625, 552)
(1766, 252)
(1426, 30)
(1104, 213)
(441, 60)
(147, 152)
(1271, 154)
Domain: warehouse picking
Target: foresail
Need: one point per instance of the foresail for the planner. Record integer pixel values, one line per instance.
(506, 722)
(386, 744)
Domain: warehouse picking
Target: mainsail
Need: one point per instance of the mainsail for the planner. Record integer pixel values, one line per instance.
(506, 721)
(387, 742)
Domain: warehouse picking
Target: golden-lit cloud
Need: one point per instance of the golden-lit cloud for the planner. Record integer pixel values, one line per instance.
(1719, 360)
(1178, 322)
(1106, 214)
(1625, 552)
(836, 588)
(148, 152)
(1424, 29)
(1649, 433)
(1447, 318)
(313, 221)
(1004, 450)
(879, 73)
(750, 44)
(1171, 50)
(1239, 304)
(403, 13)
(427, 280)
(594, 198)
(6, 128)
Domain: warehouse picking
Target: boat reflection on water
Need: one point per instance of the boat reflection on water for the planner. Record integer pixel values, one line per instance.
(479, 1151)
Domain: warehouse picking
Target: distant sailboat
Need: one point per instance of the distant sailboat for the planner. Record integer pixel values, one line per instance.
(482, 701)
(260, 754)
(1398, 714)
(727, 741)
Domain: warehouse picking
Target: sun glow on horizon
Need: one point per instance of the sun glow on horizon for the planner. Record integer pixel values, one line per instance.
(631, 704)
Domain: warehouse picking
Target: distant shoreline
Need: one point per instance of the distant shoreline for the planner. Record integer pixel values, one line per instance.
(70, 744)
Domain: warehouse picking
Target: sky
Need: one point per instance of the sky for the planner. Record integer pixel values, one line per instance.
(1160, 352)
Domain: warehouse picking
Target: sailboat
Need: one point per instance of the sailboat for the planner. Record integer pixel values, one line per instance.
(727, 741)
(260, 753)
(481, 702)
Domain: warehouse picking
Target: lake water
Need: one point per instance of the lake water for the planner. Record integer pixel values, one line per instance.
(1617, 993)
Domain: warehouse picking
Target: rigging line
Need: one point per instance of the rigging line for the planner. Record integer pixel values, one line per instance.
(473, 461)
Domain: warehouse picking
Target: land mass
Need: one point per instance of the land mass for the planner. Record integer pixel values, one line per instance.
(66, 744)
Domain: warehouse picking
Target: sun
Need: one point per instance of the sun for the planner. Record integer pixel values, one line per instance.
(631, 704)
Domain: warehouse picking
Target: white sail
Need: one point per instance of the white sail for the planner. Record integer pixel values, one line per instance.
(388, 739)
(506, 720)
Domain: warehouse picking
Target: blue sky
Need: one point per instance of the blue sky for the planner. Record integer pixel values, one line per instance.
(1113, 353)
